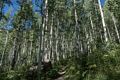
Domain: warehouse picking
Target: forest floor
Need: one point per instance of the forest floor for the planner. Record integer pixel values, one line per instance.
(60, 78)
(61, 73)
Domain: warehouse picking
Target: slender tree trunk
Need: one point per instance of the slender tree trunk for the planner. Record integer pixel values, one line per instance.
(40, 52)
(76, 18)
(116, 29)
(103, 22)
(93, 32)
(109, 33)
(17, 46)
(41, 39)
(5, 45)
(30, 51)
(23, 50)
(76, 41)
(14, 54)
(45, 29)
(57, 41)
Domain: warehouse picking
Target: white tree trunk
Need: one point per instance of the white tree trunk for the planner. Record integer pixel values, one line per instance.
(56, 36)
(116, 29)
(30, 51)
(103, 22)
(51, 39)
(5, 44)
(46, 28)
(92, 33)
(76, 16)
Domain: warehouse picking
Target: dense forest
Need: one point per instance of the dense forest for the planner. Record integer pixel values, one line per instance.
(59, 40)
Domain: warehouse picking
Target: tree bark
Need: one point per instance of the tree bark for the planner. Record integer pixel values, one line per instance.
(103, 21)
(5, 45)
(116, 29)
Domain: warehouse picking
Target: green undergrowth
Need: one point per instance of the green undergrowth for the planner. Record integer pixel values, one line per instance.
(101, 64)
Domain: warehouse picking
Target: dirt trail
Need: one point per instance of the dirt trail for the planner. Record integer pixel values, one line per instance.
(60, 78)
